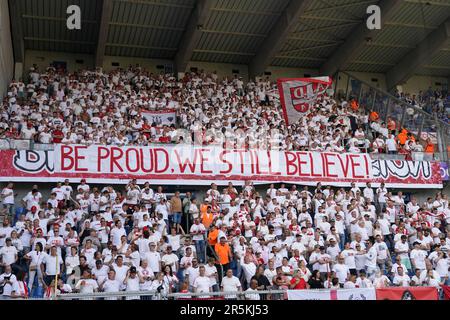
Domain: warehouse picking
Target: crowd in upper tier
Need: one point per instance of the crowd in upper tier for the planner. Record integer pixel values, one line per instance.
(435, 102)
(94, 107)
(237, 240)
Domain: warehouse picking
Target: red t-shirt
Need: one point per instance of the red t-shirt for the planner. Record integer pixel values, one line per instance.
(165, 139)
(57, 133)
(299, 286)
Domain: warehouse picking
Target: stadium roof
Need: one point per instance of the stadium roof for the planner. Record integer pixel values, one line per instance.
(318, 34)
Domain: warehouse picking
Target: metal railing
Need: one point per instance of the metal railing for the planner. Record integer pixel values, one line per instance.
(240, 295)
(154, 295)
(414, 119)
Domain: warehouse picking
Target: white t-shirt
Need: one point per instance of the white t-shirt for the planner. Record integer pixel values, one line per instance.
(402, 281)
(170, 259)
(230, 285)
(153, 258)
(198, 231)
(341, 271)
(349, 256)
(251, 296)
(419, 257)
(8, 254)
(88, 286)
(211, 273)
(9, 288)
(50, 264)
(202, 284)
(111, 286)
(8, 196)
(132, 284)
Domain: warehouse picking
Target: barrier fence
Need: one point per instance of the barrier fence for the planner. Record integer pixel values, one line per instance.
(389, 293)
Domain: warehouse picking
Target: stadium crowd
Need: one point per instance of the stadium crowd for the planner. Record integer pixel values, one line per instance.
(435, 102)
(93, 107)
(236, 240)
(140, 238)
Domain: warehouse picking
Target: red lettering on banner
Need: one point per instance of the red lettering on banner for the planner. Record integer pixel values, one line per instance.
(241, 157)
(100, 157)
(79, 157)
(300, 162)
(367, 166)
(290, 163)
(203, 159)
(344, 169)
(258, 169)
(152, 164)
(252, 161)
(326, 165)
(225, 161)
(355, 165)
(166, 154)
(312, 166)
(187, 162)
(128, 160)
(113, 160)
(277, 173)
(66, 155)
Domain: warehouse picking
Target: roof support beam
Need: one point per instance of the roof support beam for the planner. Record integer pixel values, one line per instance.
(192, 34)
(254, 12)
(155, 3)
(16, 31)
(58, 40)
(103, 32)
(61, 19)
(121, 45)
(235, 53)
(146, 26)
(356, 41)
(416, 58)
(278, 35)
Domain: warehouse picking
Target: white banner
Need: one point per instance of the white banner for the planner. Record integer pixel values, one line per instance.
(328, 294)
(160, 117)
(196, 165)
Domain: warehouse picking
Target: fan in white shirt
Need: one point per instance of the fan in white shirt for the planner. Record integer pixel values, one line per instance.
(401, 279)
(230, 283)
(202, 283)
(250, 293)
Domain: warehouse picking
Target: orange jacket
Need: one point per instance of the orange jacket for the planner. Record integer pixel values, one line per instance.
(223, 252)
(374, 116)
(354, 105)
(429, 148)
(207, 219)
(212, 237)
(402, 137)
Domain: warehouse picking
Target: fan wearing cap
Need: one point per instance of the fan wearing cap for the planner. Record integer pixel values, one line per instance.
(132, 282)
(418, 257)
(28, 132)
(170, 259)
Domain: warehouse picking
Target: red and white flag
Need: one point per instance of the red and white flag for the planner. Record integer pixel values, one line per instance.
(298, 95)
